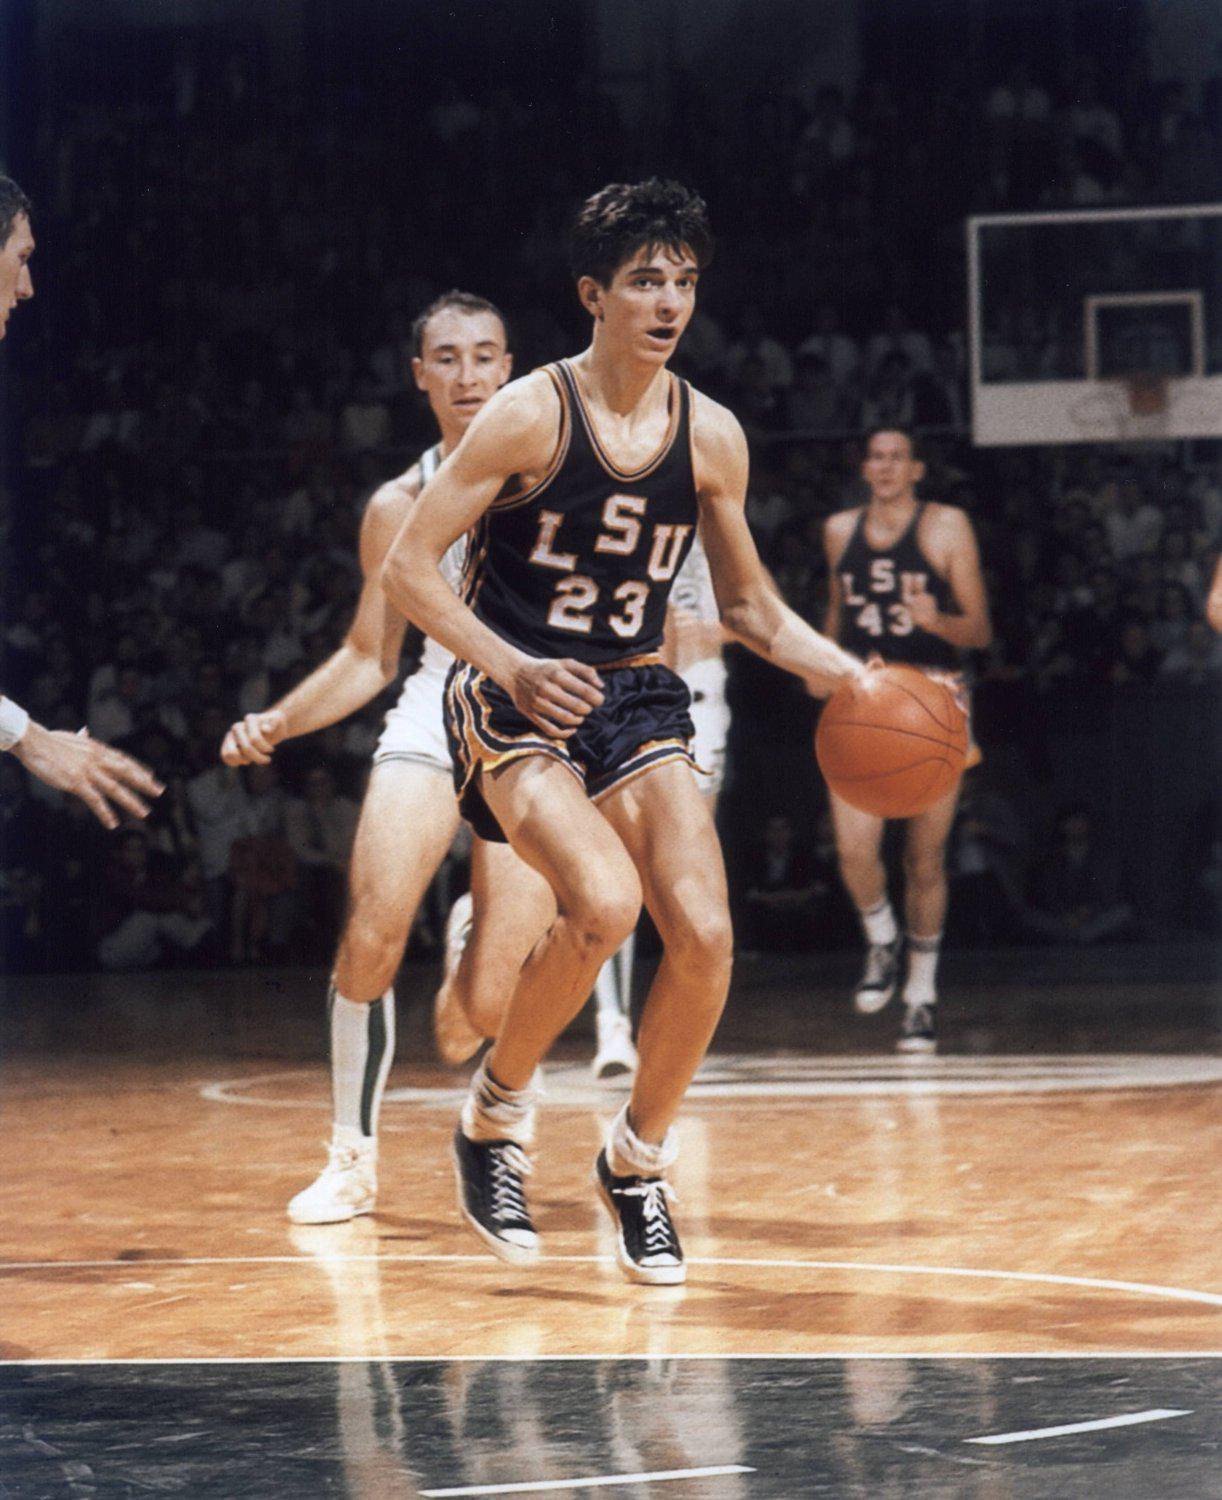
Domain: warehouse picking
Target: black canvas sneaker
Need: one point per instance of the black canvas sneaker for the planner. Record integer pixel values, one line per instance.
(879, 978)
(492, 1198)
(647, 1246)
(918, 1033)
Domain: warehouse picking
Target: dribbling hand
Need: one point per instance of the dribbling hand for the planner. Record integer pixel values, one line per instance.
(252, 740)
(108, 782)
(556, 693)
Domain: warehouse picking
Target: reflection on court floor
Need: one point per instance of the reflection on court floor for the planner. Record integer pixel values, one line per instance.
(704, 1429)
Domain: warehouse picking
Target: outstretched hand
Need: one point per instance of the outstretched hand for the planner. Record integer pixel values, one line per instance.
(556, 693)
(252, 739)
(108, 782)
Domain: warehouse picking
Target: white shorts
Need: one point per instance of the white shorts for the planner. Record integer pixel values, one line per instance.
(415, 729)
(706, 681)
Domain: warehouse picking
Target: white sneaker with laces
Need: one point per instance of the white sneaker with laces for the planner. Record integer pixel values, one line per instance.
(615, 1055)
(346, 1186)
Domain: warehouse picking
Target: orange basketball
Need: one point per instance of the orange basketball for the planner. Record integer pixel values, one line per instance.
(892, 742)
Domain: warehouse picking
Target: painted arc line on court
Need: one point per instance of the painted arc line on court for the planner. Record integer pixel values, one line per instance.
(741, 1077)
(1089, 1283)
(598, 1481)
(1130, 1419)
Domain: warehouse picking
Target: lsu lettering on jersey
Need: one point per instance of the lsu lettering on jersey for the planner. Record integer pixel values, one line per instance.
(582, 563)
(875, 586)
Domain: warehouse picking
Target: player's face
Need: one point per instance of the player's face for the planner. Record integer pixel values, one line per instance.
(15, 283)
(649, 302)
(462, 364)
(889, 469)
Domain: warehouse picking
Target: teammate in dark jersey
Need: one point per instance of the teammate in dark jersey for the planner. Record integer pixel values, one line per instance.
(586, 482)
(905, 586)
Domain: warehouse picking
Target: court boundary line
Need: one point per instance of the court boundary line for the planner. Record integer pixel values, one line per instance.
(1045, 1278)
(786, 1357)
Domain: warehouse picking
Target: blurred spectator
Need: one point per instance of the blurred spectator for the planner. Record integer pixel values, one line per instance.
(320, 827)
(829, 343)
(1076, 893)
(815, 403)
(782, 889)
(149, 914)
(776, 368)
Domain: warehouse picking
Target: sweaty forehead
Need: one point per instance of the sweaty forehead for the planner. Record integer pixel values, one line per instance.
(462, 330)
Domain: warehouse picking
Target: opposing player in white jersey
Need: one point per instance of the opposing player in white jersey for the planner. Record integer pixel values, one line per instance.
(409, 816)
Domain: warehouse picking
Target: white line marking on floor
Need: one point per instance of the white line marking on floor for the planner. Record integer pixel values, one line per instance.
(1131, 1419)
(615, 1357)
(598, 1482)
(887, 1268)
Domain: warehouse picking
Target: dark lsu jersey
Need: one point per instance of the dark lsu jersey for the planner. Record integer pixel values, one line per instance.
(875, 584)
(582, 564)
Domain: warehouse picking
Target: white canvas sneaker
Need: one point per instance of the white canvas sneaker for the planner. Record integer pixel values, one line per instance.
(615, 1056)
(346, 1186)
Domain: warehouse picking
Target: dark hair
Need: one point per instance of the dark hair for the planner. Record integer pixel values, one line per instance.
(12, 203)
(466, 302)
(914, 445)
(624, 217)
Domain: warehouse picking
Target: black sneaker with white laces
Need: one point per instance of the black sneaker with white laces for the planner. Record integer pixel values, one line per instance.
(647, 1246)
(492, 1198)
(919, 1031)
(879, 978)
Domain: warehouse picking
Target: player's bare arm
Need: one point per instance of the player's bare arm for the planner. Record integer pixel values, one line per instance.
(1213, 605)
(836, 532)
(514, 435)
(951, 542)
(750, 608)
(363, 665)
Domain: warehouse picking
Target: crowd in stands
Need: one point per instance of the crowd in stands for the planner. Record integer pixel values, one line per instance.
(216, 375)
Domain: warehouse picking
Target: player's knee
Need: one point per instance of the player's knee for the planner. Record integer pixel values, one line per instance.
(601, 920)
(702, 938)
(374, 937)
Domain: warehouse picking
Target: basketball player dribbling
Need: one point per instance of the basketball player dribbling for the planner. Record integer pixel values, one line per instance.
(111, 784)
(409, 815)
(906, 586)
(585, 482)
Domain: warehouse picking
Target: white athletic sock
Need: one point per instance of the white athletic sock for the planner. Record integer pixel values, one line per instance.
(362, 1049)
(492, 1112)
(613, 987)
(879, 923)
(624, 961)
(625, 1149)
(922, 969)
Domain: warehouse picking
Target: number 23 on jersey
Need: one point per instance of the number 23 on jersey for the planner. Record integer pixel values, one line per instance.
(577, 595)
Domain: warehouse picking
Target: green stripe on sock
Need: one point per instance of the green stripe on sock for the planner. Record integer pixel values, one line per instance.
(373, 1063)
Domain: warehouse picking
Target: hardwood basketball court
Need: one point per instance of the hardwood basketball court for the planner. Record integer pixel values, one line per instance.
(889, 1259)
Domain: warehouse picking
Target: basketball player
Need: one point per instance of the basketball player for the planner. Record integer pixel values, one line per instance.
(585, 482)
(487, 940)
(409, 816)
(108, 782)
(906, 587)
